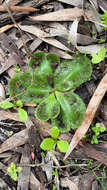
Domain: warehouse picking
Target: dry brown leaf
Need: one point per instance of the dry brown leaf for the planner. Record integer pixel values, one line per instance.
(14, 141)
(90, 151)
(73, 33)
(89, 115)
(56, 29)
(2, 91)
(94, 48)
(12, 60)
(77, 3)
(35, 184)
(66, 182)
(24, 174)
(61, 53)
(9, 115)
(103, 5)
(40, 34)
(61, 15)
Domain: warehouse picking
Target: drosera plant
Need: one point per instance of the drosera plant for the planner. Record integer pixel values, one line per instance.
(13, 170)
(50, 143)
(97, 129)
(17, 104)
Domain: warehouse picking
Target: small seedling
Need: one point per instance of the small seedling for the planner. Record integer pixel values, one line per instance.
(104, 18)
(13, 171)
(98, 57)
(97, 129)
(22, 113)
(16, 68)
(10, 133)
(50, 143)
(101, 41)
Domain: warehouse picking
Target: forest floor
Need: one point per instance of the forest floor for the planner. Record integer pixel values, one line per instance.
(67, 28)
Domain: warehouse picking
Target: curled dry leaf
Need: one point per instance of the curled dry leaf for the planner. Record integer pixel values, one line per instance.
(61, 15)
(89, 115)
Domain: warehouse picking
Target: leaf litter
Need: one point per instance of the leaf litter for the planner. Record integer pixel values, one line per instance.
(53, 30)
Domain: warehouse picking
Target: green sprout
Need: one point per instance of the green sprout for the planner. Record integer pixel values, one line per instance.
(22, 113)
(104, 18)
(98, 57)
(13, 171)
(50, 143)
(97, 129)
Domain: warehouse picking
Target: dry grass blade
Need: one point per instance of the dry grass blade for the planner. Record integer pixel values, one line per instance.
(61, 15)
(89, 115)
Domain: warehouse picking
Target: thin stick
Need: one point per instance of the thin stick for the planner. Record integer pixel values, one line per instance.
(18, 8)
(29, 54)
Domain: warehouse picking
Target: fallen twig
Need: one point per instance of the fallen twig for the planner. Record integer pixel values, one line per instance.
(17, 8)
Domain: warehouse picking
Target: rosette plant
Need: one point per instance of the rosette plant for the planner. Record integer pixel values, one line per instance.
(50, 84)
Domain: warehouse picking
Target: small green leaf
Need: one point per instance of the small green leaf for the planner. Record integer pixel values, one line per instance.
(48, 108)
(98, 57)
(18, 169)
(6, 104)
(70, 74)
(55, 132)
(48, 144)
(62, 145)
(22, 114)
(19, 103)
(94, 140)
(104, 18)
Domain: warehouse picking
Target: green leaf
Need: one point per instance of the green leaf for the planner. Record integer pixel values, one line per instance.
(18, 169)
(63, 128)
(104, 18)
(48, 144)
(94, 140)
(72, 109)
(98, 57)
(6, 104)
(44, 63)
(55, 132)
(71, 74)
(62, 145)
(22, 114)
(19, 103)
(29, 87)
(48, 108)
